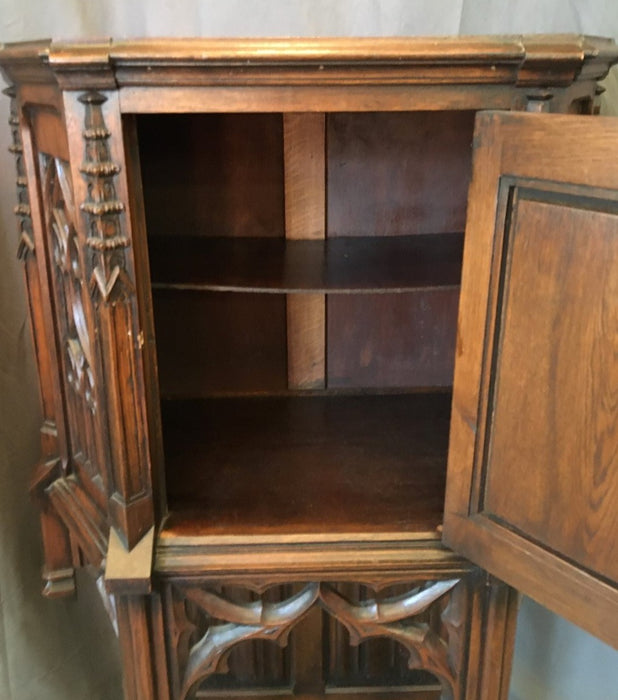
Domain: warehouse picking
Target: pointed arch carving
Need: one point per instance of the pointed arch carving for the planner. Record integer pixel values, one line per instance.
(426, 620)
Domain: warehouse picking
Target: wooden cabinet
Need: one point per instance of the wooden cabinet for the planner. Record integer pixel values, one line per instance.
(269, 311)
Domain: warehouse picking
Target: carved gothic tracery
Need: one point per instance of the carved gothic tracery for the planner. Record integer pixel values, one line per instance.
(394, 618)
(426, 620)
(258, 620)
(22, 208)
(68, 280)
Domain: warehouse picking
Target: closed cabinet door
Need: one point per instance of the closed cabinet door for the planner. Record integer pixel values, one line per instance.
(532, 488)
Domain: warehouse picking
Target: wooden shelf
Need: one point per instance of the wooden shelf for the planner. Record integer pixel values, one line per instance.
(334, 266)
(306, 464)
(409, 693)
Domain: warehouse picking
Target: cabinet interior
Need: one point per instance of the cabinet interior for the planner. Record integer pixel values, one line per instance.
(305, 275)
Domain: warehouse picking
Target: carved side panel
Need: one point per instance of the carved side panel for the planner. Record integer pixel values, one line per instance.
(110, 280)
(58, 572)
(425, 626)
(75, 338)
(79, 496)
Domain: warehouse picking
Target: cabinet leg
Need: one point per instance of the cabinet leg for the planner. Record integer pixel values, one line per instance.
(140, 630)
(58, 570)
(492, 639)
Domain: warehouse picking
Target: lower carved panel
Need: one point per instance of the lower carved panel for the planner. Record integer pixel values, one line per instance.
(398, 636)
(218, 643)
(243, 638)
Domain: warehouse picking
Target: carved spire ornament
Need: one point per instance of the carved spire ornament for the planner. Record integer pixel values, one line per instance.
(22, 209)
(102, 207)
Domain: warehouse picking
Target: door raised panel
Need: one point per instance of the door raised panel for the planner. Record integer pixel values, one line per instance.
(551, 445)
(532, 490)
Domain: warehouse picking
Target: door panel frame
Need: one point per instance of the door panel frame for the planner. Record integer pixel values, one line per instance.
(515, 152)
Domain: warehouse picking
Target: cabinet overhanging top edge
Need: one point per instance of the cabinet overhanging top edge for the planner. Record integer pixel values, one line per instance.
(534, 59)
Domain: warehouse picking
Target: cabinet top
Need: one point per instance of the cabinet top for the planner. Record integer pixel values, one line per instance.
(542, 60)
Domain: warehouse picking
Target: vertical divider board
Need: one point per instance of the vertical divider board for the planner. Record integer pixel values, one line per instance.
(305, 218)
(304, 155)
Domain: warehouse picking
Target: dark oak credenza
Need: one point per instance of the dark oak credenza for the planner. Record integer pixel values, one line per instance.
(327, 335)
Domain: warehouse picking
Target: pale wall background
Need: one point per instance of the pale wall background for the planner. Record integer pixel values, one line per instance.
(66, 650)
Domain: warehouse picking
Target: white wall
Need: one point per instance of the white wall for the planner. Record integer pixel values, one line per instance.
(59, 650)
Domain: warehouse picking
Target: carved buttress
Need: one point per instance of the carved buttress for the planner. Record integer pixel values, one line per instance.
(110, 279)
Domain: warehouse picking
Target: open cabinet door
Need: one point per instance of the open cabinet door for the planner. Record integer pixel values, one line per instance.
(532, 488)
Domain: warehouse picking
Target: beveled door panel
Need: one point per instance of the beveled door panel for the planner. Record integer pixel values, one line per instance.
(562, 458)
(532, 489)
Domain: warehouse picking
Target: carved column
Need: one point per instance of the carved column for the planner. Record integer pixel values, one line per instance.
(110, 273)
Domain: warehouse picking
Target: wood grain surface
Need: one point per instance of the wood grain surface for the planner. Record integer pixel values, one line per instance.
(308, 464)
(532, 490)
(336, 266)
(552, 466)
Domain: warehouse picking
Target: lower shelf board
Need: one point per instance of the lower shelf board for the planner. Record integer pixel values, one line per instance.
(306, 464)
(368, 694)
